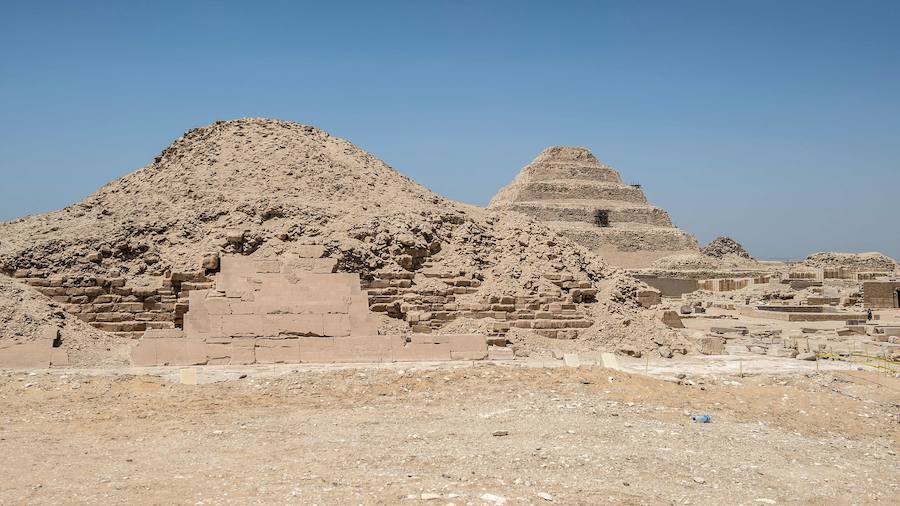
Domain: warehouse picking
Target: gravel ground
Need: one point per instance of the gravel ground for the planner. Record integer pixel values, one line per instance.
(485, 435)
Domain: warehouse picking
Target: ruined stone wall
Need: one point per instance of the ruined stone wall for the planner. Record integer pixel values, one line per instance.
(880, 294)
(109, 305)
(290, 310)
(553, 313)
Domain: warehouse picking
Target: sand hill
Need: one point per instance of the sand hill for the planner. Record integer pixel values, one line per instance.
(264, 187)
(573, 193)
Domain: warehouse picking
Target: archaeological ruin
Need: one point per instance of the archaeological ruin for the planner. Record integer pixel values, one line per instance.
(570, 191)
(262, 242)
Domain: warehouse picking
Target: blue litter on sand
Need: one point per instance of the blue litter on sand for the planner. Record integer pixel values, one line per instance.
(701, 418)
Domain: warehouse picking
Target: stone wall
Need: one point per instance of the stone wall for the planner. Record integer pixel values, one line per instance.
(290, 310)
(44, 351)
(552, 313)
(880, 294)
(109, 305)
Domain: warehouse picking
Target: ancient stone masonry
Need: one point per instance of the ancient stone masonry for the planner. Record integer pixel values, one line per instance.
(108, 304)
(570, 191)
(554, 312)
(37, 353)
(289, 310)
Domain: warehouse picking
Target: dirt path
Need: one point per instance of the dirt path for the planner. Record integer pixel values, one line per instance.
(366, 436)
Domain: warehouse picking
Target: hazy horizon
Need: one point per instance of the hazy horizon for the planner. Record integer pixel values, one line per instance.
(775, 124)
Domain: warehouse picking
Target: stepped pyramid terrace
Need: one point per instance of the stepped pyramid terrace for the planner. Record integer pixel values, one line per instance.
(573, 193)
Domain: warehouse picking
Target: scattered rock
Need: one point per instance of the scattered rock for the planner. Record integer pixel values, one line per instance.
(721, 247)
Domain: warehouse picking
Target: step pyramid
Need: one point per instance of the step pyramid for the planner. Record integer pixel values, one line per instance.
(573, 193)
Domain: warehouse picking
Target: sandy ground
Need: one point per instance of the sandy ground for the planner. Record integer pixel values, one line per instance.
(423, 435)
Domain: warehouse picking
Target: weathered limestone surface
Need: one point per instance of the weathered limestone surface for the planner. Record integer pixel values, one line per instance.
(573, 193)
(289, 311)
(35, 353)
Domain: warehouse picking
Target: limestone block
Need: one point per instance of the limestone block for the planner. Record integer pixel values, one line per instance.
(467, 343)
(501, 353)
(245, 326)
(28, 354)
(277, 351)
(571, 360)
(671, 319)
(163, 333)
(429, 339)
(710, 345)
(180, 351)
(143, 354)
(310, 251)
(59, 357)
(412, 352)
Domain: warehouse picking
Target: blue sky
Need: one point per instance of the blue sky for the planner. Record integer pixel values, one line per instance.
(777, 123)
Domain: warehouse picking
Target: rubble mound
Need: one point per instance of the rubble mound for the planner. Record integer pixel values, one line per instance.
(723, 246)
(266, 188)
(864, 261)
(570, 191)
(256, 186)
(24, 313)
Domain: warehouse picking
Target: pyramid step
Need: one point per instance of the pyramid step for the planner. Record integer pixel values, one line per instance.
(564, 190)
(593, 213)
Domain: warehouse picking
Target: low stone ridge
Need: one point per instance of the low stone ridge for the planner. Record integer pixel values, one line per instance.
(721, 247)
(571, 192)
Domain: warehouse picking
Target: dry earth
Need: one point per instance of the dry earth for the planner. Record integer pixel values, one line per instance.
(424, 436)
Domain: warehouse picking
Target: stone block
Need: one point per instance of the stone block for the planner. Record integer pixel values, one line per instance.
(412, 352)
(710, 345)
(468, 343)
(163, 333)
(242, 355)
(500, 353)
(277, 351)
(310, 251)
(336, 325)
(182, 351)
(143, 353)
(671, 319)
(59, 357)
(571, 360)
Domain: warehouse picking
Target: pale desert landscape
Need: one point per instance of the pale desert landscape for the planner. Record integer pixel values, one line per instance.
(266, 313)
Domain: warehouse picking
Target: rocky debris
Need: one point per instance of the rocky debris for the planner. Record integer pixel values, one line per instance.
(722, 246)
(860, 261)
(702, 263)
(574, 194)
(265, 189)
(25, 314)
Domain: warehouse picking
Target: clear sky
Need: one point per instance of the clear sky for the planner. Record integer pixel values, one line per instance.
(774, 122)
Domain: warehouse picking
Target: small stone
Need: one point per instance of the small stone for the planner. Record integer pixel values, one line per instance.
(496, 499)
(698, 479)
(500, 433)
(545, 496)
(427, 496)
(211, 262)
(665, 352)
